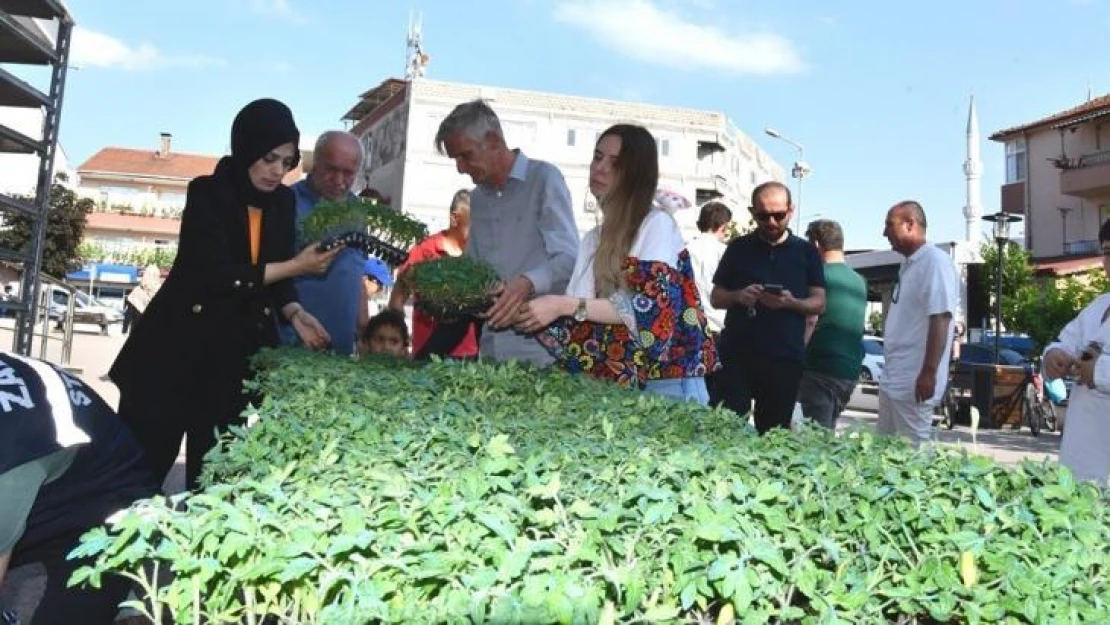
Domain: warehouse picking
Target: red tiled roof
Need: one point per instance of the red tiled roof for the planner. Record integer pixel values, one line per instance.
(1095, 105)
(133, 223)
(148, 163)
(184, 167)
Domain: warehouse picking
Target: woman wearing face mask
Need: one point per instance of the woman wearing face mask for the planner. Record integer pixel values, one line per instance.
(631, 312)
(182, 368)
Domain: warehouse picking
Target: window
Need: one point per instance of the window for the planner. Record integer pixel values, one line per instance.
(1016, 167)
(664, 147)
(873, 347)
(570, 137)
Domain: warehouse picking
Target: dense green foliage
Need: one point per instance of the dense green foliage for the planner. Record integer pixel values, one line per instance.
(163, 257)
(1039, 307)
(335, 218)
(65, 225)
(372, 491)
(452, 286)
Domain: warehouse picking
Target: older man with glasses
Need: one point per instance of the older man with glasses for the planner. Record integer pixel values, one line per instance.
(769, 281)
(918, 328)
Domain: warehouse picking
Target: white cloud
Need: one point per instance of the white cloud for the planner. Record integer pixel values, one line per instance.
(281, 9)
(96, 49)
(644, 31)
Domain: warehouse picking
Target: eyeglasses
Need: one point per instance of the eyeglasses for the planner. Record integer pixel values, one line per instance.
(763, 216)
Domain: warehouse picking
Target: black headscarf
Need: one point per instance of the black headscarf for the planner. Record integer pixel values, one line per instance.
(260, 127)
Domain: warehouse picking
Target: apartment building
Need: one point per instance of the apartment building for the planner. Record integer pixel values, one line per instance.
(702, 154)
(1058, 178)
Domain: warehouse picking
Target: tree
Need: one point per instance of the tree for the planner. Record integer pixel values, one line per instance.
(91, 252)
(1017, 272)
(737, 230)
(65, 225)
(1039, 307)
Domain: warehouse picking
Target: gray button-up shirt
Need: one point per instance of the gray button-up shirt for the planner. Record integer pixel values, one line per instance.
(527, 229)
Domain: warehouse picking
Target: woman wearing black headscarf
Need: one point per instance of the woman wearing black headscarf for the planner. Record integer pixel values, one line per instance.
(182, 369)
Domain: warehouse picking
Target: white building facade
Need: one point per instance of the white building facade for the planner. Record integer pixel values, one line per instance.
(702, 154)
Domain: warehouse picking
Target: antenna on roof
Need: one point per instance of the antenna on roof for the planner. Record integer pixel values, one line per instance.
(1090, 90)
(416, 60)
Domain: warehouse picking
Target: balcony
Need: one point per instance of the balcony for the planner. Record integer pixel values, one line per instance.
(1082, 248)
(1087, 177)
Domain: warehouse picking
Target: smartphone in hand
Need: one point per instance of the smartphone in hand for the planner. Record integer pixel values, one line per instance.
(773, 289)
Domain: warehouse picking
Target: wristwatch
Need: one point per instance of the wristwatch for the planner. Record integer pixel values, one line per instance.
(580, 312)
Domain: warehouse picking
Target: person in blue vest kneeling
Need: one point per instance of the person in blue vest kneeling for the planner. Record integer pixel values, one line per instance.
(67, 463)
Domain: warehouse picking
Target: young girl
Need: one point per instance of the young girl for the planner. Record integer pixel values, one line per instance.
(386, 333)
(631, 312)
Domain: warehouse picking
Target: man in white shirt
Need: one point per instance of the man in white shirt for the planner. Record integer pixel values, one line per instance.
(918, 328)
(1083, 349)
(705, 251)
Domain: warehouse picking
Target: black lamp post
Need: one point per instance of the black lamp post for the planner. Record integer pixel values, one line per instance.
(1001, 229)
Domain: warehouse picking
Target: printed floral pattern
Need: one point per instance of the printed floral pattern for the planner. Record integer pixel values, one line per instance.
(670, 340)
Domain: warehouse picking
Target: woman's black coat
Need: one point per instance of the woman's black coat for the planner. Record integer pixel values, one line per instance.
(184, 362)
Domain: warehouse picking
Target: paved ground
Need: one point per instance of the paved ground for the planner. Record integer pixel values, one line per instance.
(1006, 445)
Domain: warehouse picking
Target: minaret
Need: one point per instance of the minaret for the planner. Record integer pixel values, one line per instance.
(973, 172)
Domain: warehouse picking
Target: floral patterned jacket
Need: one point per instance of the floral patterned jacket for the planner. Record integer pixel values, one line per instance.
(664, 335)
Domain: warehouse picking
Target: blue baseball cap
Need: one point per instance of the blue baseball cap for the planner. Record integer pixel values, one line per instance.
(378, 270)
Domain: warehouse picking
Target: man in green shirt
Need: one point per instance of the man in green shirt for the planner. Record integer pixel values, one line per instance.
(835, 347)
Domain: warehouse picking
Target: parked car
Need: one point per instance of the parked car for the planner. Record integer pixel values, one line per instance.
(983, 354)
(871, 370)
(86, 309)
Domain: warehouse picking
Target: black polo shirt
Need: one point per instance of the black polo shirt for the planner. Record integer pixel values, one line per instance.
(748, 260)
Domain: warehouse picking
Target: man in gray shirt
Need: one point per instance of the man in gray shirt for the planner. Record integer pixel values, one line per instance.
(521, 222)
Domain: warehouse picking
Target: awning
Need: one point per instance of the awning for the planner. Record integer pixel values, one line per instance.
(1068, 266)
(106, 272)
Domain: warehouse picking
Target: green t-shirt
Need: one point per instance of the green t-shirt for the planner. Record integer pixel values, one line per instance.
(836, 347)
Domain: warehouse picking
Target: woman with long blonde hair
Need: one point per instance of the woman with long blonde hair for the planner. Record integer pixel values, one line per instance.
(631, 312)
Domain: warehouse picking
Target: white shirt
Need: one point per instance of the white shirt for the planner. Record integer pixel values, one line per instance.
(926, 287)
(658, 240)
(1086, 445)
(705, 254)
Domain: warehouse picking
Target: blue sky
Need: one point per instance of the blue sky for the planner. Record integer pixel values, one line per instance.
(877, 91)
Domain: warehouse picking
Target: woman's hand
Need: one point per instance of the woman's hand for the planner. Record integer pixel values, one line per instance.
(310, 330)
(312, 261)
(539, 313)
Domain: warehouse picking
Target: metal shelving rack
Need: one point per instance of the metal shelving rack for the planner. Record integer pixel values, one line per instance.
(22, 43)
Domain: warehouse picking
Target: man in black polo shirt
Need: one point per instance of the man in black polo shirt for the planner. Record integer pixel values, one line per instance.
(67, 463)
(769, 281)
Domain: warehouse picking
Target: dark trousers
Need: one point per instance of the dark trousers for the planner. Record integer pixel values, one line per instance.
(130, 316)
(61, 605)
(771, 383)
(196, 410)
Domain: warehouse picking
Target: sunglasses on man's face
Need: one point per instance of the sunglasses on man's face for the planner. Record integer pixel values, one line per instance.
(764, 216)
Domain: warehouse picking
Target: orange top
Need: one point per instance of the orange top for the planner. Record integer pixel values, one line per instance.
(254, 227)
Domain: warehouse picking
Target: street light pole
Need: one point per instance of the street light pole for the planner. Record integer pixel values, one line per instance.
(1001, 229)
(800, 170)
